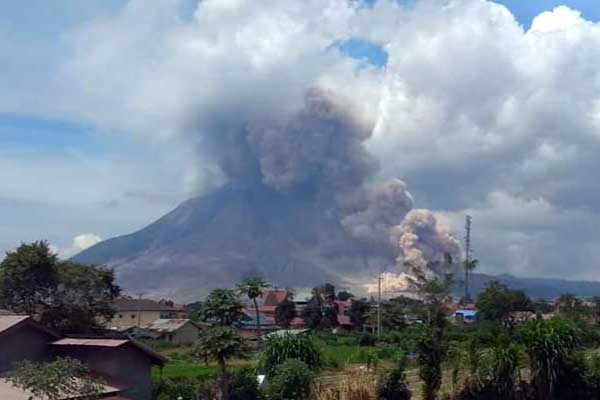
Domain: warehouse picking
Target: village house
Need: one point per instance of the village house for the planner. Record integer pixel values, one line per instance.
(131, 312)
(22, 339)
(122, 365)
(177, 331)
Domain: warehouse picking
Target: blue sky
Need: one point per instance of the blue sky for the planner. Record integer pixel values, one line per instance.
(90, 166)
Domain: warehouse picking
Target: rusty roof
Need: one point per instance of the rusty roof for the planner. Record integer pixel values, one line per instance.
(9, 321)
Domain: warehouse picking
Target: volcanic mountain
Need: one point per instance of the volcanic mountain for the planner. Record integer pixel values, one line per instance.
(214, 240)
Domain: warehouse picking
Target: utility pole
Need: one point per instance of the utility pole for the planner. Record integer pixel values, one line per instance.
(379, 307)
(467, 256)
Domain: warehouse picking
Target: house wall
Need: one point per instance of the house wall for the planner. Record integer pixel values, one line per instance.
(185, 335)
(124, 362)
(129, 318)
(23, 343)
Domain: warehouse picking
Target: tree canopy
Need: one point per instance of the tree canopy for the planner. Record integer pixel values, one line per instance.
(497, 301)
(63, 295)
(221, 306)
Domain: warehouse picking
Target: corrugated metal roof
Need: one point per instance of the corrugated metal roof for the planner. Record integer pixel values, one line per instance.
(168, 325)
(8, 321)
(111, 343)
(90, 342)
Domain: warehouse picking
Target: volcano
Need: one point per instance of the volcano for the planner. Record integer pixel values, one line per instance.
(217, 239)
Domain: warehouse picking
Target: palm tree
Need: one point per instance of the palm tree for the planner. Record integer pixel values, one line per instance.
(253, 288)
(220, 343)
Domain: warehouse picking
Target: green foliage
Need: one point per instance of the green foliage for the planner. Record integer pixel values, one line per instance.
(185, 388)
(432, 347)
(280, 348)
(65, 377)
(65, 296)
(500, 367)
(393, 386)
(285, 312)
(291, 381)
(548, 344)
(219, 343)
(27, 277)
(83, 298)
(221, 306)
(497, 301)
(244, 385)
(253, 288)
(570, 307)
(367, 339)
(344, 295)
(359, 310)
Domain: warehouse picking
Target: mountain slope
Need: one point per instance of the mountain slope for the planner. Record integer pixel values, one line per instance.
(217, 239)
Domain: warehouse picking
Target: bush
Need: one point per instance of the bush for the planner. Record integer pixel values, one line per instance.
(186, 388)
(367, 339)
(393, 386)
(281, 348)
(244, 385)
(291, 381)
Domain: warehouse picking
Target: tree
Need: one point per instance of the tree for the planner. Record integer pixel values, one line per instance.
(569, 306)
(221, 306)
(60, 379)
(283, 347)
(344, 295)
(321, 311)
(285, 312)
(498, 301)
(27, 278)
(253, 288)
(596, 309)
(359, 310)
(82, 300)
(291, 381)
(63, 295)
(548, 344)
(393, 386)
(220, 343)
(432, 346)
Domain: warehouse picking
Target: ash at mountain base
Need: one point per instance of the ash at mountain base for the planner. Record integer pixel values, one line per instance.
(299, 206)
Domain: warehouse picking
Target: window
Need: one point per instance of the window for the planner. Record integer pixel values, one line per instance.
(132, 316)
(120, 315)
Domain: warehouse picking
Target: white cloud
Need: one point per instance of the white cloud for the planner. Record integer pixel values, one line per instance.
(475, 113)
(80, 243)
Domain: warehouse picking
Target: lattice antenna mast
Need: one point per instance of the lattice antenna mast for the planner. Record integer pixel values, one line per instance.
(467, 256)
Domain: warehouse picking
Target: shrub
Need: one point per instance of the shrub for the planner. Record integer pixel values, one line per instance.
(393, 386)
(244, 385)
(186, 388)
(290, 381)
(281, 348)
(367, 339)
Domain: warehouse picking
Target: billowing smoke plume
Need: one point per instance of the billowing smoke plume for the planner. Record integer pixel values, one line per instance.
(424, 241)
(316, 157)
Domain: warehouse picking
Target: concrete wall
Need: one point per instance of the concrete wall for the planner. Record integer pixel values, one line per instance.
(23, 343)
(124, 362)
(127, 319)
